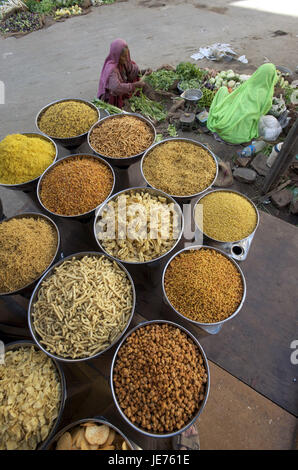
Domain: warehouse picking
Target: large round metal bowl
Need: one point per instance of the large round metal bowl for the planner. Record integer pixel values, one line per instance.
(31, 185)
(68, 142)
(153, 192)
(202, 405)
(187, 197)
(125, 161)
(237, 249)
(19, 344)
(35, 294)
(36, 215)
(205, 325)
(69, 157)
(51, 445)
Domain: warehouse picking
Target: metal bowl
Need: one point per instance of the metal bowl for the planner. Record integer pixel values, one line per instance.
(237, 249)
(187, 197)
(68, 142)
(18, 344)
(174, 433)
(31, 185)
(85, 214)
(192, 94)
(153, 192)
(214, 327)
(35, 215)
(35, 294)
(51, 444)
(125, 161)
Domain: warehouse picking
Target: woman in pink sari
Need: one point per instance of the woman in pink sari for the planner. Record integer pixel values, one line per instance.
(119, 76)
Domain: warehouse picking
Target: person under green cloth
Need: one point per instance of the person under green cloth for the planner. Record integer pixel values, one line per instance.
(235, 116)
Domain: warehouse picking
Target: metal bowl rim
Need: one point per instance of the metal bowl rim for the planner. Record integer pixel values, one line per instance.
(202, 352)
(119, 116)
(61, 101)
(83, 155)
(199, 247)
(184, 139)
(34, 215)
(227, 191)
(71, 425)
(133, 263)
(20, 343)
(49, 272)
(43, 136)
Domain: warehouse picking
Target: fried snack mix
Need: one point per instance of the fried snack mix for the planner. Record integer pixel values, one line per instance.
(30, 396)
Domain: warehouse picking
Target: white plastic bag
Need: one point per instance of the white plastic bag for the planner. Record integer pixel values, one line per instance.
(269, 128)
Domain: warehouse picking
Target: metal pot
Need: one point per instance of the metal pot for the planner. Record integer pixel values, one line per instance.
(85, 214)
(154, 192)
(31, 185)
(51, 444)
(189, 197)
(195, 417)
(68, 142)
(18, 344)
(35, 215)
(215, 327)
(237, 249)
(35, 294)
(125, 161)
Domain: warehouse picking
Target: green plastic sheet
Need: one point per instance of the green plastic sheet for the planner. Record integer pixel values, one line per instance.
(235, 116)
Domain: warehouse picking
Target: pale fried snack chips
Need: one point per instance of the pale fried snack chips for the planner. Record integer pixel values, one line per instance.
(30, 396)
(92, 436)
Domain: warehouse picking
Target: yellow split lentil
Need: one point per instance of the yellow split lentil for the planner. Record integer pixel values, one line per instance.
(179, 168)
(227, 216)
(67, 119)
(24, 158)
(203, 285)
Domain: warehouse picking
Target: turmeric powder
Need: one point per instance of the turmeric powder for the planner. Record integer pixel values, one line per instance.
(24, 158)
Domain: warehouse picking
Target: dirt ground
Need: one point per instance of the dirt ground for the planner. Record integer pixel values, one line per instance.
(65, 59)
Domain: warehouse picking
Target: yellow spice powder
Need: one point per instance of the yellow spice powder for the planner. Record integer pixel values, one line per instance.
(24, 158)
(227, 216)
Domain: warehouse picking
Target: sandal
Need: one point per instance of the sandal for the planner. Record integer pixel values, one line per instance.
(188, 440)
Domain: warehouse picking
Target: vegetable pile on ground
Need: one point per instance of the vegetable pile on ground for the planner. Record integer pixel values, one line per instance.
(23, 22)
(150, 109)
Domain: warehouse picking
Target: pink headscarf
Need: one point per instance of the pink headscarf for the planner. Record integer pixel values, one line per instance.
(110, 64)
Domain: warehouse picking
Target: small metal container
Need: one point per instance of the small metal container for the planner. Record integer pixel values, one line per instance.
(237, 249)
(51, 444)
(211, 328)
(68, 142)
(31, 185)
(35, 215)
(125, 161)
(195, 417)
(34, 298)
(69, 157)
(188, 197)
(153, 192)
(19, 344)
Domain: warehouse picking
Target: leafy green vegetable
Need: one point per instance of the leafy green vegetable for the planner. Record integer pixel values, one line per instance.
(187, 84)
(206, 100)
(172, 130)
(162, 79)
(189, 71)
(148, 108)
(108, 107)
